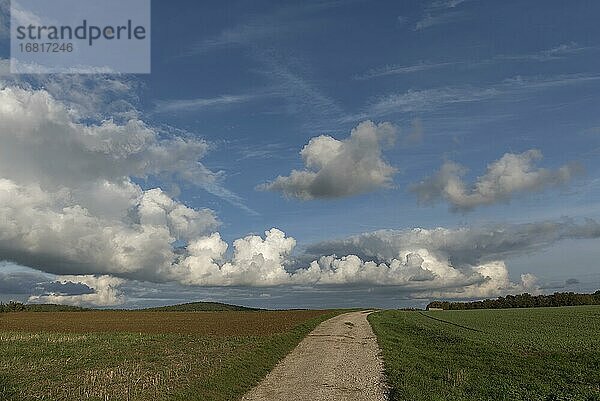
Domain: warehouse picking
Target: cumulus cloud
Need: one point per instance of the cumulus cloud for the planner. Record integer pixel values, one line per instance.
(265, 262)
(49, 231)
(339, 168)
(511, 174)
(255, 261)
(158, 209)
(82, 291)
(97, 96)
(467, 246)
(60, 150)
(458, 263)
(69, 203)
(441, 262)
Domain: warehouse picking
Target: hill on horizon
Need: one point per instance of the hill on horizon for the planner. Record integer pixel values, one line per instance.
(185, 307)
(200, 307)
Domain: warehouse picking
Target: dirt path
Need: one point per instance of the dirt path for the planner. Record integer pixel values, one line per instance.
(339, 360)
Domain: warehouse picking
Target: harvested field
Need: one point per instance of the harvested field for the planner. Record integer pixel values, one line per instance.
(139, 356)
(229, 323)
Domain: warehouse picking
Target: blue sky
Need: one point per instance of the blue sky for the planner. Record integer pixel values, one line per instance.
(462, 82)
(299, 71)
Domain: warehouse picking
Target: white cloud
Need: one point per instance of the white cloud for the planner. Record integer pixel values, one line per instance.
(69, 204)
(440, 12)
(419, 263)
(555, 53)
(496, 283)
(430, 20)
(157, 209)
(339, 168)
(255, 261)
(453, 261)
(429, 99)
(261, 262)
(462, 247)
(57, 233)
(97, 96)
(107, 105)
(174, 105)
(441, 262)
(39, 136)
(511, 174)
(425, 276)
(105, 292)
(403, 69)
(426, 100)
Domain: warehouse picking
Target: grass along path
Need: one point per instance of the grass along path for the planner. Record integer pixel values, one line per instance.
(543, 354)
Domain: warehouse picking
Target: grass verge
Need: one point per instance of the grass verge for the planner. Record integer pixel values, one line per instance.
(546, 354)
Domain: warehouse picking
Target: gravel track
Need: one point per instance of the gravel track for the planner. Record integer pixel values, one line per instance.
(338, 360)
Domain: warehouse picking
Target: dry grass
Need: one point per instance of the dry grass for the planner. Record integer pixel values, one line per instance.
(139, 356)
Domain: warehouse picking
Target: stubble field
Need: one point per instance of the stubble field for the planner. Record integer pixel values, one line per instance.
(144, 355)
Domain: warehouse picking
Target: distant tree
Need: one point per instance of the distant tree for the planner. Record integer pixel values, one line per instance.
(524, 300)
(12, 306)
(19, 307)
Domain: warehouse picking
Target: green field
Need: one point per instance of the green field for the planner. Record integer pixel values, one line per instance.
(140, 356)
(544, 354)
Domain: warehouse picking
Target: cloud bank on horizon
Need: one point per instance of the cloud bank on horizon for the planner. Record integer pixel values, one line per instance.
(449, 263)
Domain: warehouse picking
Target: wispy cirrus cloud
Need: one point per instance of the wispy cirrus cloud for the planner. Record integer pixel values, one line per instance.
(424, 100)
(429, 99)
(440, 12)
(303, 96)
(288, 77)
(403, 69)
(430, 20)
(558, 52)
(266, 27)
(555, 53)
(197, 104)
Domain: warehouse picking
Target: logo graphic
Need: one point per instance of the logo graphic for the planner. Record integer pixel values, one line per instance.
(80, 36)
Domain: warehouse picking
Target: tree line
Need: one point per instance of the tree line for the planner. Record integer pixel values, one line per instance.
(13, 306)
(522, 301)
